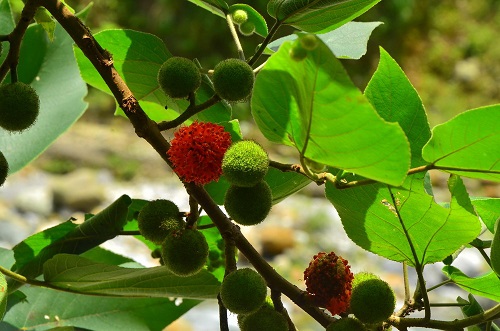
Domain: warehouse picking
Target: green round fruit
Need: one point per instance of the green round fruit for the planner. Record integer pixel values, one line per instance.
(243, 291)
(19, 106)
(309, 42)
(297, 52)
(372, 301)
(264, 319)
(239, 16)
(4, 168)
(178, 77)
(247, 28)
(245, 163)
(158, 218)
(233, 79)
(346, 324)
(248, 205)
(185, 252)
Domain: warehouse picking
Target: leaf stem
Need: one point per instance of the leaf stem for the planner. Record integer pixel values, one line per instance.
(418, 266)
(232, 29)
(439, 285)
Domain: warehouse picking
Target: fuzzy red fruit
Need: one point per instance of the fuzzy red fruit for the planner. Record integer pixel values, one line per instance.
(197, 150)
(329, 282)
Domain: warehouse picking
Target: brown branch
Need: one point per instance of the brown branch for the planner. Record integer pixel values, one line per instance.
(148, 130)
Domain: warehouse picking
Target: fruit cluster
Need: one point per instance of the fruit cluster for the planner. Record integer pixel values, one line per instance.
(249, 199)
(243, 292)
(184, 251)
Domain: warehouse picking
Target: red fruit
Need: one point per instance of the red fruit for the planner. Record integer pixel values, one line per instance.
(197, 150)
(328, 279)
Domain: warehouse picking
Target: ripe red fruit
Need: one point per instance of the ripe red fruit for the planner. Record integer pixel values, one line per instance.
(329, 282)
(197, 150)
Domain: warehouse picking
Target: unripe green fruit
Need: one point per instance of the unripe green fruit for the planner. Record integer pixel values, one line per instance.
(19, 106)
(158, 218)
(243, 291)
(233, 79)
(346, 324)
(264, 319)
(372, 301)
(309, 42)
(239, 16)
(4, 168)
(248, 205)
(297, 52)
(245, 163)
(178, 77)
(185, 252)
(247, 28)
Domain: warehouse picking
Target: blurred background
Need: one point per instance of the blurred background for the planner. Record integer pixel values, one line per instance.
(448, 49)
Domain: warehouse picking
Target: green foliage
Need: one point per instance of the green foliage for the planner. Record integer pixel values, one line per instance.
(372, 151)
(233, 79)
(243, 291)
(372, 301)
(158, 218)
(184, 252)
(495, 250)
(4, 168)
(245, 163)
(346, 324)
(178, 77)
(248, 205)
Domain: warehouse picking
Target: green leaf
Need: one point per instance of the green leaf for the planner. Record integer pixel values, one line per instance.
(6, 24)
(369, 216)
(85, 276)
(217, 7)
(468, 144)
(314, 106)
(3, 295)
(47, 309)
(45, 19)
(487, 286)
(284, 184)
(347, 42)
(137, 56)
(495, 250)
(317, 15)
(68, 238)
(489, 211)
(51, 70)
(474, 308)
(253, 16)
(396, 100)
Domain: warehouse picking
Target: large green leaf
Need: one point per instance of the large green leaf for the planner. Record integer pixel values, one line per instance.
(347, 42)
(394, 98)
(86, 276)
(51, 70)
(369, 216)
(487, 286)
(314, 106)
(217, 7)
(468, 144)
(68, 238)
(317, 15)
(489, 211)
(45, 309)
(137, 56)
